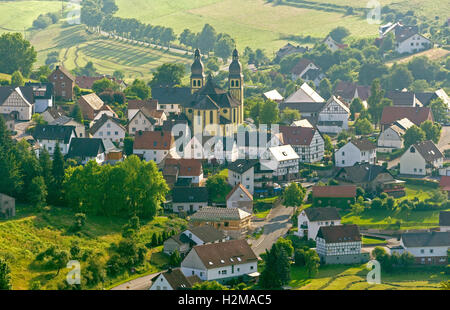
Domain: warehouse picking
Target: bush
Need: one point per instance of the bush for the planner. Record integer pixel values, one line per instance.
(421, 182)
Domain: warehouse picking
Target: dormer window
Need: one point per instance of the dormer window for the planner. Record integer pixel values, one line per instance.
(412, 149)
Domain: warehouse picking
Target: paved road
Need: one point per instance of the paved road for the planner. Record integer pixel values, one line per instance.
(139, 284)
(276, 225)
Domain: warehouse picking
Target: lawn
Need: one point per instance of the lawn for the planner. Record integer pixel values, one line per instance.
(353, 277)
(29, 233)
(232, 17)
(368, 240)
(17, 16)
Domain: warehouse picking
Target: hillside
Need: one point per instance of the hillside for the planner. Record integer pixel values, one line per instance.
(18, 16)
(253, 23)
(76, 47)
(22, 238)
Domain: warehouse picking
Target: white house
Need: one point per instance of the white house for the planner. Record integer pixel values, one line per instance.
(391, 138)
(421, 158)
(333, 118)
(273, 95)
(48, 136)
(306, 141)
(253, 143)
(226, 149)
(189, 199)
(304, 94)
(340, 244)
(407, 38)
(300, 69)
(311, 219)
(141, 121)
(183, 168)
(221, 261)
(154, 145)
(428, 248)
(87, 149)
(242, 171)
(173, 279)
(332, 44)
(240, 197)
(444, 220)
(356, 151)
(302, 123)
(108, 127)
(18, 102)
(284, 162)
(200, 235)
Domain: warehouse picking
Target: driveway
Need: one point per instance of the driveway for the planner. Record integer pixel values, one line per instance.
(444, 142)
(276, 225)
(139, 284)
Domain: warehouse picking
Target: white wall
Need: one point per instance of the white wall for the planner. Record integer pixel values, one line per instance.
(313, 227)
(161, 283)
(110, 130)
(186, 206)
(412, 163)
(390, 139)
(414, 44)
(155, 155)
(247, 179)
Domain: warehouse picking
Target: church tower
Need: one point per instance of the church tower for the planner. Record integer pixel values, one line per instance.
(197, 73)
(236, 83)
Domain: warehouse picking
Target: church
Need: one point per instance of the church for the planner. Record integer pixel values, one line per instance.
(209, 109)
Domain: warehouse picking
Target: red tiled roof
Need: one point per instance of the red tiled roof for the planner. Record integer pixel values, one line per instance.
(417, 115)
(153, 140)
(297, 135)
(445, 183)
(337, 191)
(186, 167)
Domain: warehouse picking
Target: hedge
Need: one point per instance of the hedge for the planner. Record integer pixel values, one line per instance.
(421, 182)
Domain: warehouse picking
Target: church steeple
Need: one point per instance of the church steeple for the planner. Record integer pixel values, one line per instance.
(197, 72)
(236, 78)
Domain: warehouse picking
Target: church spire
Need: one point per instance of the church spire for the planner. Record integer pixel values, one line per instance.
(197, 72)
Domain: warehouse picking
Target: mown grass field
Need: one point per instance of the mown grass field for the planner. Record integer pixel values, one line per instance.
(253, 23)
(29, 233)
(17, 16)
(76, 47)
(344, 277)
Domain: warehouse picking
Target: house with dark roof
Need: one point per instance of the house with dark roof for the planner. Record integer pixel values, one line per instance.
(334, 196)
(349, 91)
(311, 219)
(183, 168)
(307, 142)
(189, 199)
(391, 138)
(306, 70)
(290, 49)
(18, 102)
(407, 38)
(241, 198)
(51, 114)
(403, 98)
(173, 279)
(340, 244)
(87, 149)
(154, 145)
(421, 159)
(49, 136)
(234, 222)
(372, 178)
(221, 262)
(428, 248)
(426, 97)
(170, 99)
(108, 127)
(356, 151)
(444, 221)
(184, 241)
(43, 96)
(142, 120)
(80, 129)
(417, 115)
(242, 171)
